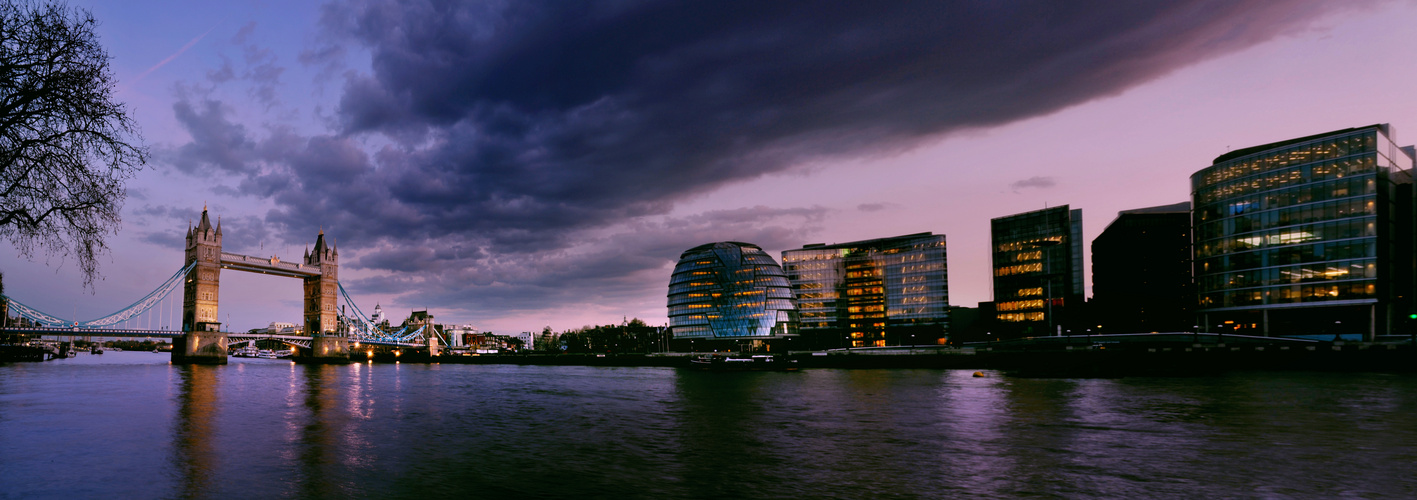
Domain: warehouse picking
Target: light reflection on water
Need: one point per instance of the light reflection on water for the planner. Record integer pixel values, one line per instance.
(127, 424)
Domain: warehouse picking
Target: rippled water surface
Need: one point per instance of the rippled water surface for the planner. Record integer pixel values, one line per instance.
(128, 425)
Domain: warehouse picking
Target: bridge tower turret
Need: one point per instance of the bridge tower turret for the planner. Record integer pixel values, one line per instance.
(203, 342)
(328, 343)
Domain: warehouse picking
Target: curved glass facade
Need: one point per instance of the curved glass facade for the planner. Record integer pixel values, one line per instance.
(1307, 222)
(730, 290)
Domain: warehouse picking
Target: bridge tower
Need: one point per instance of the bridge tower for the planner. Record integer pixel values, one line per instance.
(202, 342)
(328, 343)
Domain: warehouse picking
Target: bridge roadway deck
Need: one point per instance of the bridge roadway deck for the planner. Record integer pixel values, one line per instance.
(272, 265)
(91, 332)
(232, 337)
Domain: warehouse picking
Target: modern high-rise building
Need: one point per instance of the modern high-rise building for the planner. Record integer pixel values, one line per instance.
(730, 290)
(881, 292)
(1309, 236)
(1038, 273)
(1141, 272)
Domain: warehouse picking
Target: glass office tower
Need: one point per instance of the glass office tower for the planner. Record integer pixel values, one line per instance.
(1038, 274)
(881, 292)
(730, 290)
(1301, 237)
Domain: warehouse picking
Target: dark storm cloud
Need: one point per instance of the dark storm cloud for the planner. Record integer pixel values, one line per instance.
(627, 264)
(549, 116)
(515, 130)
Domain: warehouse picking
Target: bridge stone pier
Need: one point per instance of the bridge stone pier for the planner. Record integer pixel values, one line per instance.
(203, 342)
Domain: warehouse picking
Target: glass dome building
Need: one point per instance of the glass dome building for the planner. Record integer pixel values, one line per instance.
(730, 290)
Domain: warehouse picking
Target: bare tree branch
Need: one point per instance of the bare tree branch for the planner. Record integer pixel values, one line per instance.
(66, 146)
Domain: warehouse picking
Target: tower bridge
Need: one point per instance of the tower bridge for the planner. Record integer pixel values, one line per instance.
(206, 343)
(328, 331)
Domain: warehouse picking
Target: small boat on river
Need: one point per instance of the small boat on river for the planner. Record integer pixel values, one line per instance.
(754, 363)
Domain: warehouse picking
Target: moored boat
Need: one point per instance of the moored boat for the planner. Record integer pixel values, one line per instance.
(754, 363)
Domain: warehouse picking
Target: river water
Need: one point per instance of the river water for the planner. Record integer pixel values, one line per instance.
(129, 425)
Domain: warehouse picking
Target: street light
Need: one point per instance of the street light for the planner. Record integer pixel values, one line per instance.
(1413, 330)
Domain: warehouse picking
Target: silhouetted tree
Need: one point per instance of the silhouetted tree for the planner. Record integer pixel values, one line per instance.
(66, 146)
(630, 336)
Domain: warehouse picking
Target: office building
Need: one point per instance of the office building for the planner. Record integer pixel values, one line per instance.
(730, 290)
(1141, 272)
(881, 292)
(1038, 273)
(1306, 237)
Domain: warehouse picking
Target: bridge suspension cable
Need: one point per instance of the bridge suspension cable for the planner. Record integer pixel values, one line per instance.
(363, 329)
(142, 305)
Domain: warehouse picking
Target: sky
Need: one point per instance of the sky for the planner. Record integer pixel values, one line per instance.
(515, 165)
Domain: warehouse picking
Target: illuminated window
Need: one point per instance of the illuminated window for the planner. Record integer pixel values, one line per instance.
(1019, 304)
(1017, 317)
(1018, 269)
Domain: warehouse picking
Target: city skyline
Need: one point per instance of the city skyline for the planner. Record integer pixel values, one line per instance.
(245, 103)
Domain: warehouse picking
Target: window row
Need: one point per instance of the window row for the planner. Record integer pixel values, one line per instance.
(1316, 212)
(1018, 305)
(1363, 142)
(1352, 228)
(810, 265)
(1297, 254)
(1019, 317)
(1330, 271)
(926, 311)
(1357, 290)
(1019, 269)
(1298, 195)
(1315, 172)
(1029, 244)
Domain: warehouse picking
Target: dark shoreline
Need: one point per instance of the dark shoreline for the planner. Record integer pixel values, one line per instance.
(1076, 362)
(1187, 361)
